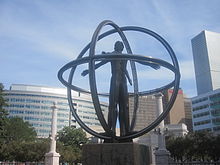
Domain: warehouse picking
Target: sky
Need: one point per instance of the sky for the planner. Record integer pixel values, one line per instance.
(38, 37)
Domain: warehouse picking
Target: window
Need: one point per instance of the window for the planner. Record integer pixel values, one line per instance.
(200, 107)
(202, 122)
(199, 100)
(201, 114)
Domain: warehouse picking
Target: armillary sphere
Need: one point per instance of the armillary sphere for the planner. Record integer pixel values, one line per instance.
(114, 56)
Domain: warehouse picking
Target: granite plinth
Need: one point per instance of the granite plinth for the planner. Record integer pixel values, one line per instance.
(52, 158)
(162, 157)
(115, 154)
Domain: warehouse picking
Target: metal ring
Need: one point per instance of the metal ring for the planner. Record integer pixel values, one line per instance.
(73, 64)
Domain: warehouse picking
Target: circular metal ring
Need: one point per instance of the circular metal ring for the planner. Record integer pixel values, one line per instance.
(80, 59)
(114, 57)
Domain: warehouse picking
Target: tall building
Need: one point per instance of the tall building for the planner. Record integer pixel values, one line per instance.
(188, 114)
(33, 104)
(206, 51)
(206, 106)
(181, 110)
(206, 112)
(147, 112)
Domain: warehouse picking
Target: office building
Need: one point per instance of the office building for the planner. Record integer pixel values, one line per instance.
(181, 110)
(33, 104)
(179, 117)
(179, 113)
(146, 112)
(206, 112)
(188, 114)
(206, 50)
(206, 106)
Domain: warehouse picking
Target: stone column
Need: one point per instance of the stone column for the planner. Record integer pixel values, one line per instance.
(52, 157)
(161, 154)
(159, 106)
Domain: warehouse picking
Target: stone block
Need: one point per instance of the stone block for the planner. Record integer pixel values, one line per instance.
(115, 154)
(162, 157)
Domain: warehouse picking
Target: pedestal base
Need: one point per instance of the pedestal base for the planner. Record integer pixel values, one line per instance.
(162, 157)
(52, 158)
(115, 154)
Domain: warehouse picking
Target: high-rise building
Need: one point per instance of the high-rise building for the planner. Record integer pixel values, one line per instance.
(33, 104)
(181, 110)
(206, 106)
(147, 112)
(206, 51)
(188, 113)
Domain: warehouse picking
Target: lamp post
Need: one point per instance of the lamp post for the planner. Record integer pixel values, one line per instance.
(52, 157)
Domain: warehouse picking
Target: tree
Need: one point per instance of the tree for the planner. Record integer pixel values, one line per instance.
(171, 146)
(18, 137)
(69, 154)
(3, 114)
(215, 147)
(31, 151)
(74, 137)
(189, 147)
(18, 140)
(201, 146)
(18, 130)
(69, 144)
(176, 152)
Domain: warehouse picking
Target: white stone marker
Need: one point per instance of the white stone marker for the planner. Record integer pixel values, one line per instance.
(52, 157)
(161, 154)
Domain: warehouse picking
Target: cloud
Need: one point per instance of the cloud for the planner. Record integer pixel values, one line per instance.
(186, 71)
(62, 29)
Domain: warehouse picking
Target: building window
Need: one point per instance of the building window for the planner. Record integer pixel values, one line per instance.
(200, 107)
(215, 112)
(202, 122)
(216, 121)
(216, 128)
(199, 100)
(201, 114)
(214, 97)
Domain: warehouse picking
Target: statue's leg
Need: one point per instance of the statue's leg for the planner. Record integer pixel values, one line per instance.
(124, 110)
(113, 101)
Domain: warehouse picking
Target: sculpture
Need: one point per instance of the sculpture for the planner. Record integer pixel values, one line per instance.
(118, 95)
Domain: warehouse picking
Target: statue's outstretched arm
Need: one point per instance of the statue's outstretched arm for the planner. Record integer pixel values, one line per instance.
(85, 72)
(151, 64)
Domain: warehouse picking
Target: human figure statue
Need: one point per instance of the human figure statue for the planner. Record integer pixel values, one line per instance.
(118, 94)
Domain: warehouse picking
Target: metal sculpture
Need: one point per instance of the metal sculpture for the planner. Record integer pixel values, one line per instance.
(118, 94)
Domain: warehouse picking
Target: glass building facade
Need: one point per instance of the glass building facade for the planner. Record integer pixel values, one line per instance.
(206, 106)
(33, 104)
(206, 50)
(206, 112)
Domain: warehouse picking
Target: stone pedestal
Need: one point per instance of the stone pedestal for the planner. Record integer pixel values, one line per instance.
(52, 158)
(115, 154)
(162, 157)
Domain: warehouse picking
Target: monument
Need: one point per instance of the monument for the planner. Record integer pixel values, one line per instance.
(52, 157)
(118, 149)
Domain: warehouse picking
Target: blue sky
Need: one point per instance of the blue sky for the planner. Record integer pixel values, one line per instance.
(38, 37)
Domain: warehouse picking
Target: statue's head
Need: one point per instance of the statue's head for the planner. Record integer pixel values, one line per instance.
(119, 46)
